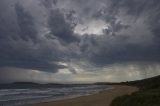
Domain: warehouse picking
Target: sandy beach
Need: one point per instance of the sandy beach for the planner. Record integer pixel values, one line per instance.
(103, 98)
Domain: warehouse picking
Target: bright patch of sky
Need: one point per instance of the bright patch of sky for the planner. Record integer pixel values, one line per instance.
(91, 27)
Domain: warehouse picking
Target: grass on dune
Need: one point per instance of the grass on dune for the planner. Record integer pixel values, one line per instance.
(149, 94)
(148, 97)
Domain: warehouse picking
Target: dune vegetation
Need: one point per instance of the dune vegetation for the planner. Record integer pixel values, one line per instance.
(148, 95)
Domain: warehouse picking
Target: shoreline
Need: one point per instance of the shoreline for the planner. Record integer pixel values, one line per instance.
(103, 98)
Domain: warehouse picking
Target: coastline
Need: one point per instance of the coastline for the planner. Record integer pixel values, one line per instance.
(103, 98)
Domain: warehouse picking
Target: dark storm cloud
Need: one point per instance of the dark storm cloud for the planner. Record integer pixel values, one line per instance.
(137, 9)
(118, 47)
(21, 46)
(26, 24)
(61, 24)
(60, 28)
(132, 33)
(8, 24)
(23, 55)
(49, 3)
(129, 52)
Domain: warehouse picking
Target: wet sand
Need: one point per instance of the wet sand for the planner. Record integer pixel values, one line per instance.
(103, 98)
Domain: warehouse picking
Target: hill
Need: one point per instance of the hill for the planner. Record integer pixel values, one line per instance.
(149, 83)
(148, 95)
(32, 85)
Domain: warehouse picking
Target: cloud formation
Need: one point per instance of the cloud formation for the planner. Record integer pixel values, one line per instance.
(84, 35)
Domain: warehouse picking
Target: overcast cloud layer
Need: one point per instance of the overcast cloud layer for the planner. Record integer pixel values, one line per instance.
(79, 40)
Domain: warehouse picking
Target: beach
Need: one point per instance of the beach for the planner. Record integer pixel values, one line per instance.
(103, 98)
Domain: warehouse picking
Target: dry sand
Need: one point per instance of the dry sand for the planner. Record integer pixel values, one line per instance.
(103, 98)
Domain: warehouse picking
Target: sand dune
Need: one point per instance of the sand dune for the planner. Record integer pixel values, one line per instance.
(103, 98)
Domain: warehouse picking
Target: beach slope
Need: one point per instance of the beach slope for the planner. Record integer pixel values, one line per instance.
(103, 98)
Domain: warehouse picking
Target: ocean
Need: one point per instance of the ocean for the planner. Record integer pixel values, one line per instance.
(20, 97)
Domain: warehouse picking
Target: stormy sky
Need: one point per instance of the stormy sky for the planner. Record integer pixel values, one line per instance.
(79, 41)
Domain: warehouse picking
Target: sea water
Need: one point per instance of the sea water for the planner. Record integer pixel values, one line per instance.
(19, 97)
